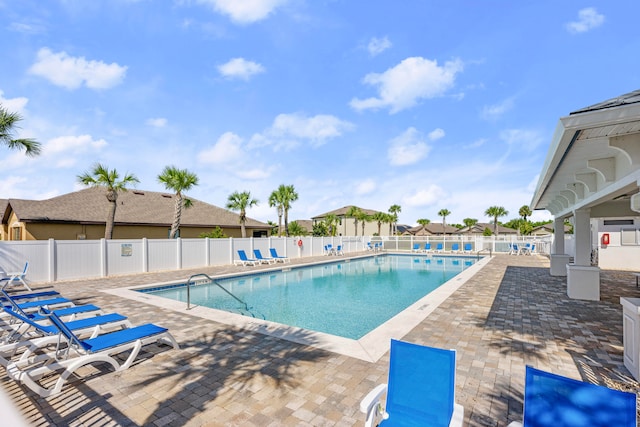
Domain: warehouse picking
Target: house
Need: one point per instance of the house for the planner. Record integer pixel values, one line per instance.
(478, 229)
(347, 225)
(431, 229)
(82, 215)
(547, 229)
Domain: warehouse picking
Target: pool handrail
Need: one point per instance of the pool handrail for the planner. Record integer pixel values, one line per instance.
(246, 306)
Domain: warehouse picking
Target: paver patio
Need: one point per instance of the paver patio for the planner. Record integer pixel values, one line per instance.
(510, 314)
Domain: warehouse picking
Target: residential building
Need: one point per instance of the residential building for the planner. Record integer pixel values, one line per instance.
(347, 225)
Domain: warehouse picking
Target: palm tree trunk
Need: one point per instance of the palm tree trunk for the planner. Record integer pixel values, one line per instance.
(286, 222)
(112, 197)
(176, 217)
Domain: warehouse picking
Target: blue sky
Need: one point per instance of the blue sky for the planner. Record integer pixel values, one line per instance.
(424, 104)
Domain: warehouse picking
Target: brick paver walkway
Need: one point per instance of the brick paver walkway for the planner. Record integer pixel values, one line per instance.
(512, 313)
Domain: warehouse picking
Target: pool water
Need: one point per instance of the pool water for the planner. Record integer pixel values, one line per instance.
(347, 299)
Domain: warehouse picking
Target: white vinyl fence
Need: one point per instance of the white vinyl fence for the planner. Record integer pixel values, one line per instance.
(56, 260)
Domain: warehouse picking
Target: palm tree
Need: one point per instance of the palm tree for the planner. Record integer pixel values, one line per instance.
(8, 125)
(331, 220)
(424, 222)
(444, 213)
(495, 212)
(275, 199)
(296, 229)
(281, 199)
(354, 212)
(101, 176)
(363, 217)
(469, 222)
(240, 202)
(525, 211)
(179, 181)
(380, 217)
(395, 210)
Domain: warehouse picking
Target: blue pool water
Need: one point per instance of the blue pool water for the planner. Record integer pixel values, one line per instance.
(348, 299)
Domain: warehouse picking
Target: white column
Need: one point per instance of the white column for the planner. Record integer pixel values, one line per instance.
(583, 280)
(582, 234)
(559, 259)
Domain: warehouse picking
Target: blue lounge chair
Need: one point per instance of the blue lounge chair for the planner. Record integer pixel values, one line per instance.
(468, 247)
(244, 260)
(261, 259)
(439, 247)
(416, 247)
(421, 389)
(455, 247)
(274, 255)
(328, 250)
(339, 250)
(77, 353)
(16, 277)
(555, 401)
(427, 247)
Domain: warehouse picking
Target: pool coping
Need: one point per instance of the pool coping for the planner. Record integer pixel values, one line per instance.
(370, 347)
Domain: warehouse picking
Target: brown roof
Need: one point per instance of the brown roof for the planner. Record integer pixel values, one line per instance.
(480, 227)
(343, 212)
(134, 207)
(431, 229)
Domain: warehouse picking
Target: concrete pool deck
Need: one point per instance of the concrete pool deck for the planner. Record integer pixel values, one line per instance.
(509, 314)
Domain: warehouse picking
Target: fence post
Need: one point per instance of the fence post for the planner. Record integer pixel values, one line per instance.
(52, 260)
(230, 250)
(145, 255)
(207, 252)
(178, 253)
(103, 257)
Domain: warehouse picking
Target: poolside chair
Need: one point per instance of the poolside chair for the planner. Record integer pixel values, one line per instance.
(17, 277)
(261, 259)
(328, 250)
(439, 247)
(455, 248)
(416, 247)
(73, 353)
(339, 250)
(37, 336)
(244, 260)
(278, 258)
(555, 401)
(421, 389)
(369, 247)
(427, 247)
(468, 247)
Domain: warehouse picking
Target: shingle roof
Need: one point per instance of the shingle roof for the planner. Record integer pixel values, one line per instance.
(343, 212)
(134, 207)
(627, 98)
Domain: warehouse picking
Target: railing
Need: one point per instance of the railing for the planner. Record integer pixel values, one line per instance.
(212, 281)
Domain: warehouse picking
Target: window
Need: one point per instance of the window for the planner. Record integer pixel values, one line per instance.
(16, 233)
(618, 222)
(629, 236)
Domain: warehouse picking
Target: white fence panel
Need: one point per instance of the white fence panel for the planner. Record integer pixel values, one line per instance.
(125, 256)
(14, 255)
(220, 251)
(194, 253)
(76, 259)
(163, 254)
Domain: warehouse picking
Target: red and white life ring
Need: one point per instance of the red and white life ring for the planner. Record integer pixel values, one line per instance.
(299, 243)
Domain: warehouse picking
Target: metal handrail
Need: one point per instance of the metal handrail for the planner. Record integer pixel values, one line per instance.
(482, 250)
(215, 283)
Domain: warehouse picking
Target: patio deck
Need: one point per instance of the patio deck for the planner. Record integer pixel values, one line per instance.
(510, 314)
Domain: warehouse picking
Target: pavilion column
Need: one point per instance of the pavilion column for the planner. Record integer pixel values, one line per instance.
(559, 259)
(583, 280)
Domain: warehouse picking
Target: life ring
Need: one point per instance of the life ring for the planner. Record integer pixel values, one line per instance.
(299, 243)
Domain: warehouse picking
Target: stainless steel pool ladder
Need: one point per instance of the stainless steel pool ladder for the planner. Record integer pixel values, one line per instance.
(190, 281)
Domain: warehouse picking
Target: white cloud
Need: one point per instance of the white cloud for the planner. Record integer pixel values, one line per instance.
(436, 134)
(588, 19)
(404, 85)
(245, 11)
(425, 197)
(227, 149)
(524, 139)
(367, 186)
(158, 122)
(493, 112)
(64, 151)
(408, 148)
(288, 129)
(477, 143)
(376, 46)
(72, 72)
(13, 105)
(240, 68)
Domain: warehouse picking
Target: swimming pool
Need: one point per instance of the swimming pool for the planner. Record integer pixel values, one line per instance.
(348, 299)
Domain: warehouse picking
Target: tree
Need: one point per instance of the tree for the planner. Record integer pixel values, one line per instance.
(395, 210)
(495, 212)
(320, 229)
(296, 229)
(525, 212)
(331, 221)
(101, 176)
(275, 199)
(282, 199)
(179, 181)
(444, 213)
(354, 212)
(469, 222)
(8, 125)
(216, 233)
(363, 217)
(240, 202)
(380, 217)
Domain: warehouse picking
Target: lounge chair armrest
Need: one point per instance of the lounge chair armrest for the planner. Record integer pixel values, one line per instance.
(370, 405)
